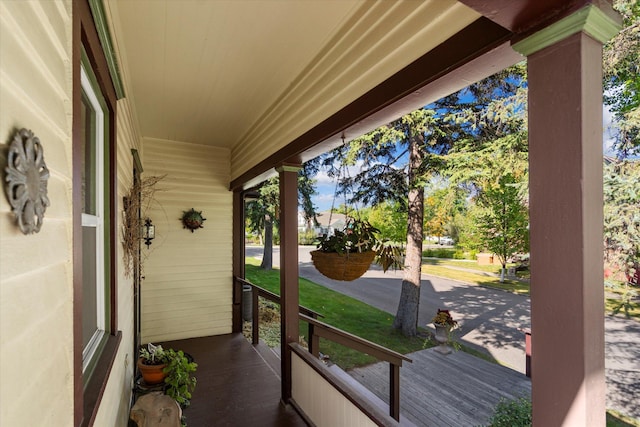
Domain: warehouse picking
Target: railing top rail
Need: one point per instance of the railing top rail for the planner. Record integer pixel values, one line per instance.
(355, 342)
(276, 298)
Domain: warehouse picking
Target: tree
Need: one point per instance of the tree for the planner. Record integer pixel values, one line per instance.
(263, 213)
(391, 219)
(622, 226)
(504, 225)
(399, 159)
(621, 79)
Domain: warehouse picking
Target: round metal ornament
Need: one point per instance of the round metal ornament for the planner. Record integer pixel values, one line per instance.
(27, 177)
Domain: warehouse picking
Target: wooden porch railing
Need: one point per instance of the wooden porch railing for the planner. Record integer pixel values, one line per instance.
(257, 291)
(318, 329)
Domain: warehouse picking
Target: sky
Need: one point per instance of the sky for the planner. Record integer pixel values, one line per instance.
(326, 186)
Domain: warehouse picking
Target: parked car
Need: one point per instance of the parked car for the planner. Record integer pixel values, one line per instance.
(446, 240)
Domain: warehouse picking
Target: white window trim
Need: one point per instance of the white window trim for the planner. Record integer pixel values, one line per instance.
(96, 221)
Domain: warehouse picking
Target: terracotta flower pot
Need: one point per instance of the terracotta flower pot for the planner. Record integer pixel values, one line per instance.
(152, 374)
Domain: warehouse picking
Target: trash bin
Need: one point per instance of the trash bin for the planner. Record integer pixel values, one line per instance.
(247, 303)
(527, 346)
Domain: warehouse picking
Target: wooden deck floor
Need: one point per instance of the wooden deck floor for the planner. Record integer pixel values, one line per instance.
(453, 390)
(236, 387)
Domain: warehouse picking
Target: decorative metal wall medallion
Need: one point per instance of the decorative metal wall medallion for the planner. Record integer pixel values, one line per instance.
(27, 177)
(192, 219)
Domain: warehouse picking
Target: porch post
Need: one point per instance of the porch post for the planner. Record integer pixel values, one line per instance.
(288, 270)
(565, 157)
(238, 259)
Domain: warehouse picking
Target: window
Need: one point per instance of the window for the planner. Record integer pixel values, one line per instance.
(95, 286)
(96, 338)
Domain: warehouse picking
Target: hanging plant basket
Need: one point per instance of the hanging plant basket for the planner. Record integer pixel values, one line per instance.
(192, 219)
(345, 267)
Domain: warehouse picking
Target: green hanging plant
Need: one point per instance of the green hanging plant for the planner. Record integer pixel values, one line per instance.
(192, 219)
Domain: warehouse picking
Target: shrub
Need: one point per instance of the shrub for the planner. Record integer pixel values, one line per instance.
(449, 253)
(439, 253)
(512, 413)
(307, 238)
(459, 255)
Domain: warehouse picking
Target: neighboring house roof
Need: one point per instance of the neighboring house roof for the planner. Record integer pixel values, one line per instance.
(328, 219)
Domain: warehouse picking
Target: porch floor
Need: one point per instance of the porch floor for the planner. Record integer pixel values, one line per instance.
(451, 390)
(236, 386)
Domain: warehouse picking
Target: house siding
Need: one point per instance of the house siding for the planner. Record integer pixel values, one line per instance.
(36, 290)
(188, 276)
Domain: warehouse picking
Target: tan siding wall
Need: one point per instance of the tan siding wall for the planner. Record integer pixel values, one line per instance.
(320, 401)
(36, 311)
(187, 290)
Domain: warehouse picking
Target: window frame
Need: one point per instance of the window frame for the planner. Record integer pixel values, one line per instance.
(93, 347)
(89, 386)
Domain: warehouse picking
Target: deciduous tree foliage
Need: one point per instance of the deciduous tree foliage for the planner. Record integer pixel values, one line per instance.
(504, 223)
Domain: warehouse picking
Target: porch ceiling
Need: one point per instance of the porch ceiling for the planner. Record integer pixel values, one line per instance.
(267, 79)
(231, 73)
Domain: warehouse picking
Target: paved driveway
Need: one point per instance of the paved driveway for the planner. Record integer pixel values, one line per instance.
(490, 320)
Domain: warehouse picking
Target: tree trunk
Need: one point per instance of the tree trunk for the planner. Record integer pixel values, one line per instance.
(267, 255)
(407, 316)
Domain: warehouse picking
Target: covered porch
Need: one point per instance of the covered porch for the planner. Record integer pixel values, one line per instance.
(239, 385)
(220, 95)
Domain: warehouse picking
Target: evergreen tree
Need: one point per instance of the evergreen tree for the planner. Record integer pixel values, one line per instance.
(263, 214)
(622, 227)
(621, 79)
(399, 159)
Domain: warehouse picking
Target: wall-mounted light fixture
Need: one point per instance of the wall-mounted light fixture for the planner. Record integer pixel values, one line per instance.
(148, 232)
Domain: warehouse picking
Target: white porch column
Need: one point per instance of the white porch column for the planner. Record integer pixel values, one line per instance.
(565, 157)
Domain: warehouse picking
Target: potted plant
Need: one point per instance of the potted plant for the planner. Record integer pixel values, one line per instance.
(151, 363)
(444, 323)
(173, 368)
(180, 381)
(347, 254)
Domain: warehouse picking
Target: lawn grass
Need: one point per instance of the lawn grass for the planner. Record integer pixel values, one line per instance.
(345, 313)
(611, 304)
(514, 286)
(616, 419)
(464, 263)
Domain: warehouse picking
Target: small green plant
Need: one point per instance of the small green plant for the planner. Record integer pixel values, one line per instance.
(512, 413)
(180, 380)
(153, 354)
